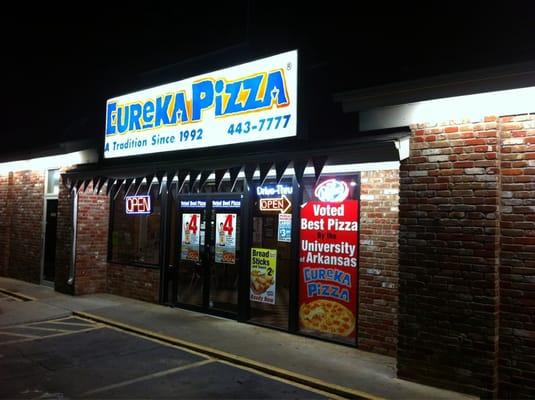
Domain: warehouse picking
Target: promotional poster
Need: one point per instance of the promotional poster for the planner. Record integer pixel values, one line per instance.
(263, 275)
(328, 261)
(190, 237)
(225, 244)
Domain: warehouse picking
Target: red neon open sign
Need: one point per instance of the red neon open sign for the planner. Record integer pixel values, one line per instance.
(138, 205)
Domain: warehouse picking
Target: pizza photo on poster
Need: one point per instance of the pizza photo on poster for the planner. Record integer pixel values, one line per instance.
(328, 259)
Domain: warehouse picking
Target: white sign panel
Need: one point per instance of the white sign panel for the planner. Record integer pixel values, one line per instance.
(225, 248)
(246, 103)
(190, 237)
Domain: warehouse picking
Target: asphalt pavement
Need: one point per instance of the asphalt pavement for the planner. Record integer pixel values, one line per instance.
(75, 358)
(242, 360)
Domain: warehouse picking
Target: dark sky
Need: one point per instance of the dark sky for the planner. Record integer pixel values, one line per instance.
(60, 65)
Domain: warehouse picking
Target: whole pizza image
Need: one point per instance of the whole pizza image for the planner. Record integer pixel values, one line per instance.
(327, 316)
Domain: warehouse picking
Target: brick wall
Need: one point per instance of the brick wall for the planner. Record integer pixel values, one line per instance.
(21, 226)
(91, 242)
(63, 241)
(517, 270)
(134, 282)
(449, 254)
(5, 220)
(93, 274)
(378, 274)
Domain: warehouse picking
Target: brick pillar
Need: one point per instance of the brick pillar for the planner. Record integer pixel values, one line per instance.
(26, 233)
(91, 242)
(63, 241)
(449, 254)
(6, 182)
(378, 274)
(517, 272)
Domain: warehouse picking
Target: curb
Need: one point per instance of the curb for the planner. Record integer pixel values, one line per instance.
(239, 360)
(17, 295)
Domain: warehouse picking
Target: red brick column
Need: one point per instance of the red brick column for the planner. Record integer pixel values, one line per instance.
(25, 226)
(378, 275)
(63, 241)
(449, 255)
(517, 271)
(6, 181)
(91, 242)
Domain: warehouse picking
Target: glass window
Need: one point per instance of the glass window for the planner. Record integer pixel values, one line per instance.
(271, 246)
(135, 238)
(328, 254)
(52, 184)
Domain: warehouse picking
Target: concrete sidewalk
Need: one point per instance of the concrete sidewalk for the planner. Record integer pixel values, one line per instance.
(280, 353)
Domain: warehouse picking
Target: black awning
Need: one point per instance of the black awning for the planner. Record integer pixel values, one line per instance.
(370, 148)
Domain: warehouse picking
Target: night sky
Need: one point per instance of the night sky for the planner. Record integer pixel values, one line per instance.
(60, 65)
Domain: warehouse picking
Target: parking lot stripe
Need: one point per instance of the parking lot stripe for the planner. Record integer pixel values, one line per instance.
(59, 322)
(90, 324)
(238, 360)
(34, 338)
(148, 377)
(44, 329)
(160, 342)
(17, 334)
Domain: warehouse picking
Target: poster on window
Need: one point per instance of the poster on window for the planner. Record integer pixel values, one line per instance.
(328, 261)
(190, 237)
(263, 275)
(285, 228)
(225, 246)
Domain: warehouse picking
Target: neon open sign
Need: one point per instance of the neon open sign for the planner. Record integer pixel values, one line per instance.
(279, 204)
(136, 205)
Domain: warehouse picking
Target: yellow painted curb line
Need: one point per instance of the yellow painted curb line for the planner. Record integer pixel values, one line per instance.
(18, 295)
(269, 369)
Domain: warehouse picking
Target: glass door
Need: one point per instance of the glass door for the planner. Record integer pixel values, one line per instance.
(206, 254)
(225, 254)
(190, 262)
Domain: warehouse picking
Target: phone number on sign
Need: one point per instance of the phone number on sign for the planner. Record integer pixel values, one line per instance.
(263, 124)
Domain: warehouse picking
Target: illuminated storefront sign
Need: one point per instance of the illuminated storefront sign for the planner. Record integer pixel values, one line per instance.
(273, 198)
(136, 205)
(332, 190)
(226, 203)
(245, 103)
(192, 204)
(279, 204)
(328, 264)
(273, 190)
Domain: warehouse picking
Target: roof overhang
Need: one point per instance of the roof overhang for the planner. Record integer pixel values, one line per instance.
(62, 160)
(386, 147)
(469, 95)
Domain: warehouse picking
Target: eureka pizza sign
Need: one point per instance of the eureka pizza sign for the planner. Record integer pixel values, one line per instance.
(328, 261)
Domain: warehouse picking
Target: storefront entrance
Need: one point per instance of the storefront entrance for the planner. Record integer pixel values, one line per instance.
(205, 257)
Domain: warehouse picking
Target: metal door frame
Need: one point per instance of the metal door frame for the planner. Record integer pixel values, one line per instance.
(243, 277)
